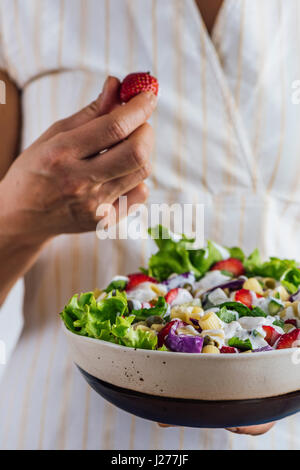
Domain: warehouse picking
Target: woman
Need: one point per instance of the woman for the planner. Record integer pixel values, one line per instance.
(226, 135)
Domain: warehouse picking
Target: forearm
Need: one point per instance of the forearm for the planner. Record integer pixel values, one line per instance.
(16, 258)
(10, 125)
(18, 251)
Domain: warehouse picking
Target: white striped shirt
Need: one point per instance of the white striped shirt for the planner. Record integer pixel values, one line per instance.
(227, 135)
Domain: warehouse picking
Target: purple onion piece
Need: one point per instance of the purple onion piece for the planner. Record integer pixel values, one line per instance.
(235, 284)
(295, 296)
(180, 280)
(265, 348)
(183, 343)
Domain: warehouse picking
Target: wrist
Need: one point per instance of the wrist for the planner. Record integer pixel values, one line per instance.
(18, 226)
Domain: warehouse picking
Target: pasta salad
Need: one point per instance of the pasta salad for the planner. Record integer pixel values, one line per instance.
(214, 300)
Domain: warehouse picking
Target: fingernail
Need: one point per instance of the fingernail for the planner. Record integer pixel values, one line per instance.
(232, 429)
(151, 97)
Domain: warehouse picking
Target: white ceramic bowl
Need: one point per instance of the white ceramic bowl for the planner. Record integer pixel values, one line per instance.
(189, 376)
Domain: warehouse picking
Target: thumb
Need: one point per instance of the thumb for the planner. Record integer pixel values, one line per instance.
(104, 104)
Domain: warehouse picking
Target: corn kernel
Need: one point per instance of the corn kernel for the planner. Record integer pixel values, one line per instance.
(253, 284)
(209, 349)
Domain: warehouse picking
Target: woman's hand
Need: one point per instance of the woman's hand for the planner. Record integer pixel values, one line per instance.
(57, 184)
(91, 158)
(250, 430)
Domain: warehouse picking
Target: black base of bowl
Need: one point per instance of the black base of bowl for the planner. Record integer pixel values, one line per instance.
(197, 413)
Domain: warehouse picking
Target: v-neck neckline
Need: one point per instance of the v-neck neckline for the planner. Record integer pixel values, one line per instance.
(218, 19)
(230, 104)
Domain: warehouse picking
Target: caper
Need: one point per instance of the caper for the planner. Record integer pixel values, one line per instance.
(208, 341)
(154, 319)
(188, 287)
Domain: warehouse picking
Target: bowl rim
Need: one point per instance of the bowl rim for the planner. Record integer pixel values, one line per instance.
(100, 342)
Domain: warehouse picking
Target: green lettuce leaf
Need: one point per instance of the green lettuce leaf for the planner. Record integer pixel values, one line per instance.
(274, 268)
(179, 256)
(236, 252)
(243, 310)
(85, 316)
(225, 315)
(291, 280)
(243, 345)
(159, 310)
(120, 285)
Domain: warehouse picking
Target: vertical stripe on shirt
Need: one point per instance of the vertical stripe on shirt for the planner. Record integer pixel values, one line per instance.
(283, 97)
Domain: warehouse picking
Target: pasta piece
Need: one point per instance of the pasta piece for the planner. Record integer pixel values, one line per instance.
(209, 349)
(157, 327)
(210, 321)
(185, 313)
(160, 291)
(284, 295)
(254, 285)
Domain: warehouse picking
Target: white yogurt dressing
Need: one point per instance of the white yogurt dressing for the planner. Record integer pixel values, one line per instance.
(144, 292)
(210, 280)
(183, 297)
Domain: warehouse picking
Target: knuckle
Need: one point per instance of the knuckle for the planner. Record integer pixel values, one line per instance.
(140, 152)
(117, 129)
(93, 109)
(72, 187)
(58, 127)
(146, 171)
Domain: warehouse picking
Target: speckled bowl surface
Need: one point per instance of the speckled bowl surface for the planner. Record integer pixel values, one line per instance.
(189, 376)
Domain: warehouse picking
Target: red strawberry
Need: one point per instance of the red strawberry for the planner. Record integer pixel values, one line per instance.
(171, 295)
(291, 321)
(228, 350)
(244, 296)
(289, 340)
(232, 265)
(271, 334)
(136, 83)
(138, 278)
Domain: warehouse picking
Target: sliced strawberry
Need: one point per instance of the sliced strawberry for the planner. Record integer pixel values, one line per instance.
(271, 334)
(137, 278)
(228, 350)
(291, 321)
(244, 296)
(171, 295)
(232, 265)
(289, 340)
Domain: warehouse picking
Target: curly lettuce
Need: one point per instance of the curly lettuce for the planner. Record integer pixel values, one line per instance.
(107, 320)
(179, 256)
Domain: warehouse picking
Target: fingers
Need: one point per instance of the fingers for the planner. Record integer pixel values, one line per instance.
(138, 195)
(123, 159)
(106, 131)
(106, 102)
(112, 190)
(252, 430)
